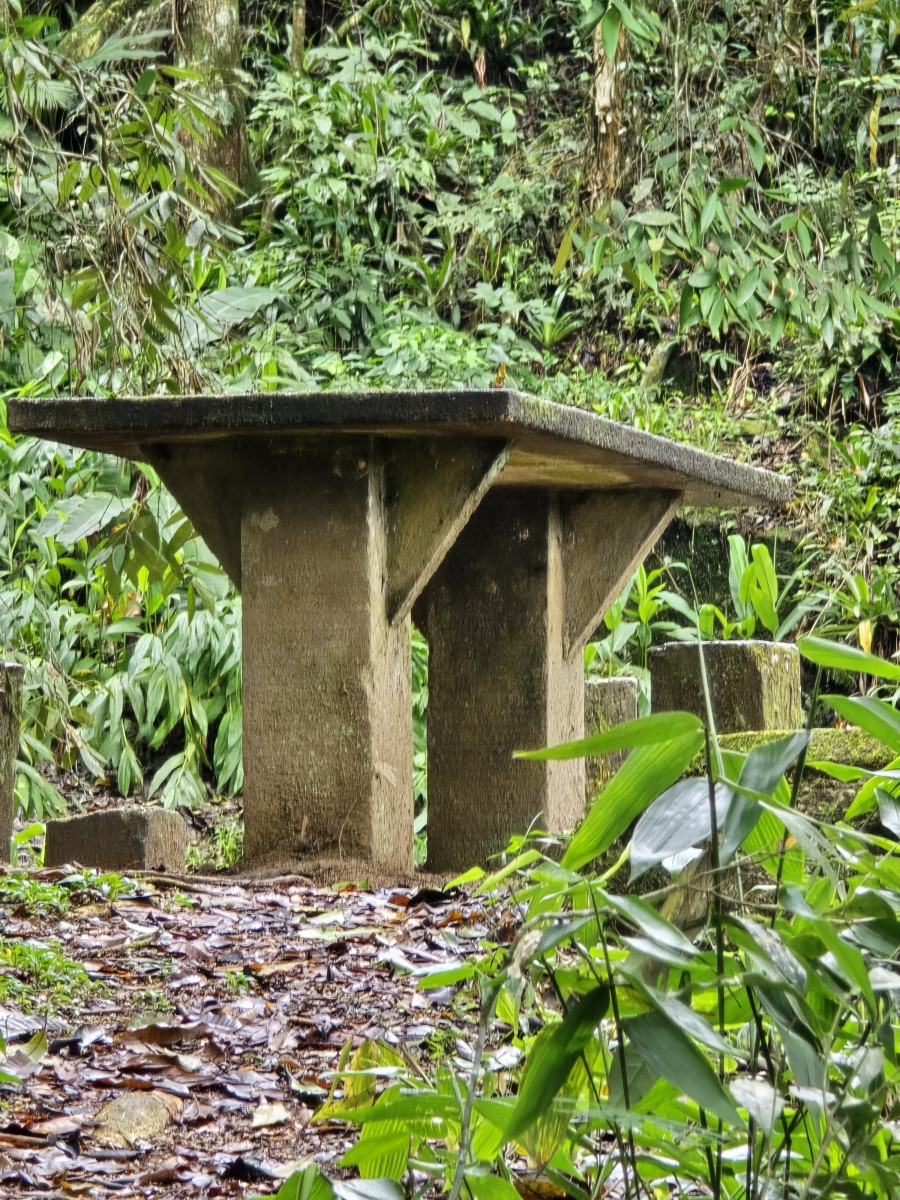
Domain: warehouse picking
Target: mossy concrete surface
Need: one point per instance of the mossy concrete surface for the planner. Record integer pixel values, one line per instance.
(607, 702)
(119, 839)
(552, 445)
(753, 685)
(848, 747)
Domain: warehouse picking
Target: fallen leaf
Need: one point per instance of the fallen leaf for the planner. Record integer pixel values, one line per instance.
(270, 1114)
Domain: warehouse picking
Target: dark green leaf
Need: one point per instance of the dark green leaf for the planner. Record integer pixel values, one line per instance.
(846, 658)
(671, 1054)
(645, 731)
(646, 771)
(679, 818)
(552, 1059)
(767, 763)
(875, 716)
(609, 32)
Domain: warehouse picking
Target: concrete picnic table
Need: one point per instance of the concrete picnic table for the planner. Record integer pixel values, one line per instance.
(506, 523)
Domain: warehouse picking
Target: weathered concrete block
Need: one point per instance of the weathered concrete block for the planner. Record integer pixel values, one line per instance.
(753, 685)
(507, 615)
(10, 717)
(151, 839)
(607, 702)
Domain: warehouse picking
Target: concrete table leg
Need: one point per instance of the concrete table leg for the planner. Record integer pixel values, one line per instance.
(331, 540)
(327, 716)
(508, 614)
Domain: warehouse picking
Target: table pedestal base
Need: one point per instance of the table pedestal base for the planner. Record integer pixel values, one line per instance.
(508, 614)
(327, 706)
(330, 540)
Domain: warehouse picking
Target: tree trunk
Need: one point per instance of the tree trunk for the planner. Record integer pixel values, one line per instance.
(603, 160)
(99, 22)
(298, 40)
(10, 718)
(208, 42)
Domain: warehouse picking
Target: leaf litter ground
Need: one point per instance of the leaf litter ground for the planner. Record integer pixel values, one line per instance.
(216, 1010)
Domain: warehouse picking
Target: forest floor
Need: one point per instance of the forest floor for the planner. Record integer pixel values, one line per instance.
(189, 1053)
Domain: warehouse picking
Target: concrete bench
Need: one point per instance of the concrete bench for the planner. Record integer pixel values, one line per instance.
(508, 522)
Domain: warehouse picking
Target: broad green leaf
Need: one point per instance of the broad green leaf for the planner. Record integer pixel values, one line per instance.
(447, 977)
(520, 861)
(677, 819)
(888, 811)
(645, 1088)
(489, 1135)
(379, 1154)
(80, 516)
(846, 658)
(875, 716)
(760, 1099)
(551, 1059)
(769, 944)
(685, 306)
(490, 1187)
(544, 1136)
(813, 843)
(865, 798)
(424, 1107)
(649, 921)
(359, 1086)
(671, 1054)
(767, 763)
(609, 32)
(644, 731)
(709, 212)
(694, 1024)
(367, 1189)
(746, 288)
(648, 770)
(848, 958)
(308, 1184)
(848, 774)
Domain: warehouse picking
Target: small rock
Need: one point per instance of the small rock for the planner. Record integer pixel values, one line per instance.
(134, 1117)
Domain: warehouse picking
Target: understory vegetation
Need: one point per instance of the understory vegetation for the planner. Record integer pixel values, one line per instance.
(683, 216)
(742, 1033)
(685, 219)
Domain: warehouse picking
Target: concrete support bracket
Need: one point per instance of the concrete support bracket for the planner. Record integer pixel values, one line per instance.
(508, 614)
(606, 536)
(433, 486)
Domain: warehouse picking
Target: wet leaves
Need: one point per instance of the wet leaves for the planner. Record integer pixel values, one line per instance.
(206, 1038)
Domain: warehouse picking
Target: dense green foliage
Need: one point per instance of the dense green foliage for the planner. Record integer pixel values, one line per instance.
(426, 212)
(737, 1025)
(428, 207)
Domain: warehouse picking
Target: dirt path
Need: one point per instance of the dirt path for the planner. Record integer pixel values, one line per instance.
(212, 1016)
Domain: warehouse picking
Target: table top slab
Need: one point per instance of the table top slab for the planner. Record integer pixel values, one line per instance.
(551, 445)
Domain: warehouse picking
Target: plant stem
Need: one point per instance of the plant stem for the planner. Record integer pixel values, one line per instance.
(795, 788)
(489, 994)
(720, 941)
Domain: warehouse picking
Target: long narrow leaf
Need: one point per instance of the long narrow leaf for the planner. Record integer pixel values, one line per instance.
(645, 731)
(846, 658)
(647, 772)
(552, 1059)
(672, 1055)
(876, 717)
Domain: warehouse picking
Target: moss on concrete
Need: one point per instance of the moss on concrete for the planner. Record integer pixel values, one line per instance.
(850, 747)
(753, 685)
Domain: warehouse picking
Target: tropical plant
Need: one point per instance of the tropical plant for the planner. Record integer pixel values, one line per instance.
(736, 1026)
